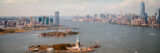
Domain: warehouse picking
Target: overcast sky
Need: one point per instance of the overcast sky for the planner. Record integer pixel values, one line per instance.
(74, 7)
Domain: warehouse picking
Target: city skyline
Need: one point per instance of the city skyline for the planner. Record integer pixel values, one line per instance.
(74, 7)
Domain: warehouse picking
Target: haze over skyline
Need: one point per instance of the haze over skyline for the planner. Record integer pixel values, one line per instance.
(74, 7)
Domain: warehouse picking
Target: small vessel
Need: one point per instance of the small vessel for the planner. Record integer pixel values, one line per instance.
(96, 46)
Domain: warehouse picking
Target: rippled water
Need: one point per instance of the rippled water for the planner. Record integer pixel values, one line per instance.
(113, 38)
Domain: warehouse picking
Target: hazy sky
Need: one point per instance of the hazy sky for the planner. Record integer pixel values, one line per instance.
(73, 7)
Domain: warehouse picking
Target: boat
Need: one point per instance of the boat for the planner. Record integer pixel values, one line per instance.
(96, 46)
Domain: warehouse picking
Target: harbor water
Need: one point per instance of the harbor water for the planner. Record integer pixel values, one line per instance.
(113, 38)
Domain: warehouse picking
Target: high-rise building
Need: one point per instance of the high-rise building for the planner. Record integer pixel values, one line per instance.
(145, 17)
(43, 20)
(5, 23)
(155, 20)
(57, 18)
(159, 16)
(142, 9)
(40, 19)
(102, 15)
(51, 20)
(47, 20)
(31, 21)
(143, 14)
(88, 16)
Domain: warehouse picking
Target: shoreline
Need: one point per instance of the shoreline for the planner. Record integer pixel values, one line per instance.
(150, 26)
(58, 34)
(63, 47)
(2, 33)
(16, 30)
(137, 25)
(72, 51)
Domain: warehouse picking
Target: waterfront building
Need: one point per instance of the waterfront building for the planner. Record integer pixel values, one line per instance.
(102, 15)
(107, 15)
(5, 23)
(17, 24)
(40, 19)
(142, 9)
(47, 21)
(146, 16)
(43, 20)
(143, 14)
(159, 16)
(27, 20)
(57, 18)
(95, 15)
(155, 18)
(31, 21)
(88, 16)
(51, 20)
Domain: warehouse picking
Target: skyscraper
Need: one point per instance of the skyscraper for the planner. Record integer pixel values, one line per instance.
(31, 21)
(142, 9)
(159, 16)
(57, 18)
(5, 23)
(40, 19)
(143, 14)
(145, 17)
(51, 20)
(155, 20)
(43, 20)
(47, 20)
